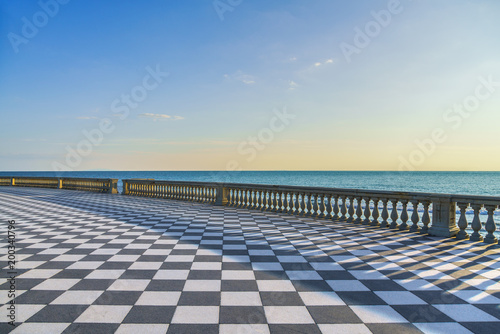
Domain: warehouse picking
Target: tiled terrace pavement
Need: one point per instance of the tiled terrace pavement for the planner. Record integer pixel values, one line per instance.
(100, 263)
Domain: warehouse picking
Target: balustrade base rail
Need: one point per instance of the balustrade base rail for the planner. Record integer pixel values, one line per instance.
(86, 184)
(431, 213)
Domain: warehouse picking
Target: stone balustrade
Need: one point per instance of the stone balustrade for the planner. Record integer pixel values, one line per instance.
(87, 184)
(426, 213)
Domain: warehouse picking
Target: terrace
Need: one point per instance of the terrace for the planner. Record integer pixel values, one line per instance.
(200, 257)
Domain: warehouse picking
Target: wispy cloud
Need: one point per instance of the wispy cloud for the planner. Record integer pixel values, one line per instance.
(325, 62)
(242, 77)
(161, 117)
(87, 117)
(292, 85)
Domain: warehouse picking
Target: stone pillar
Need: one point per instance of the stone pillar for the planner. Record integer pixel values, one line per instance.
(126, 188)
(221, 195)
(113, 186)
(443, 218)
(59, 183)
(13, 181)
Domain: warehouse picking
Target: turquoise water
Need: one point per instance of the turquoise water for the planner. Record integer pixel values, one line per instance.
(470, 183)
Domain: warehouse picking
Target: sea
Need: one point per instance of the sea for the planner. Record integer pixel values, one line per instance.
(467, 183)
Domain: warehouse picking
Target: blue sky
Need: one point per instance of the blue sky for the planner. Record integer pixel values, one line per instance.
(393, 104)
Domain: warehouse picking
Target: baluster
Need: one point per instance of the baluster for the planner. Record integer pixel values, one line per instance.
(359, 211)
(265, 200)
(476, 224)
(462, 221)
(313, 199)
(258, 196)
(414, 217)
(320, 199)
(375, 213)
(329, 207)
(275, 202)
(291, 203)
(490, 225)
(426, 219)
(252, 199)
(351, 210)
(245, 198)
(282, 207)
(404, 216)
(394, 214)
(302, 204)
(343, 209)
(309, 203)
(367, 212)
(333, 207)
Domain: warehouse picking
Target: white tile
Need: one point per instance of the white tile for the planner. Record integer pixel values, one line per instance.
(105, 274)
(40, 273)
(56, 284)
(159, 251)
(123, 258)
(75, 297)
(180, 258)
(291, 259)
(202, 285)
(129, 285)
(483, 284)
(40, 328)
(196, 315)
(206, 266)
(367, 274)
(431, 274)
(245, 298)
(267, 266)
(377, 314)
(399, 298)
(344, 328)
(326, 266)
(235, 258)
(303, 275)
(288, 315)
(275, 285)
(159, 298)
(347, 285)
(384, 266)
(68, 258)
(86, 265)
(476, 296)
(244, 329)
(320, 298)
(106, 251)
(238, 275)
(26, 264)
(417, 284)
(142, 328)
(464, 312)
(171, 274)
(104, 314)
(145, 266)
(442, 328)
(23, 311)
(261, 252)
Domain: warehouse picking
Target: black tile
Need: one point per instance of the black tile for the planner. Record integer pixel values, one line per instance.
(205, 274)
(138, 274)
(336, 275)
(150, 314)
(38, 296)
(270, 275)
(481, 327)
(402, 328)
(55, 265)
(360, 298)
(176, 265)
(382, 285)
(207, 258)
(166, 285)
(118, 298)
(72, 273)
(193, 329)
(421, 313)
(93, 284)
(203, 298)
(83, 328)
(493, 309)
(333, 315)
(281, 298)
(58, 313)
(311, 285)
(438, 297)
(239, 285)
(242, 315)
(288, 329)
(115, 265)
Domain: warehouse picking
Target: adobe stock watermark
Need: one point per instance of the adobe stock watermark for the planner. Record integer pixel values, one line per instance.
(453, 118)
(371, 30)
(223, 6)
(31, 27)
(120, 108)
(249, 149)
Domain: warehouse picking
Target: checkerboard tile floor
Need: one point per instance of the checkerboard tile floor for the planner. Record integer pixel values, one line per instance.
(100, 263)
